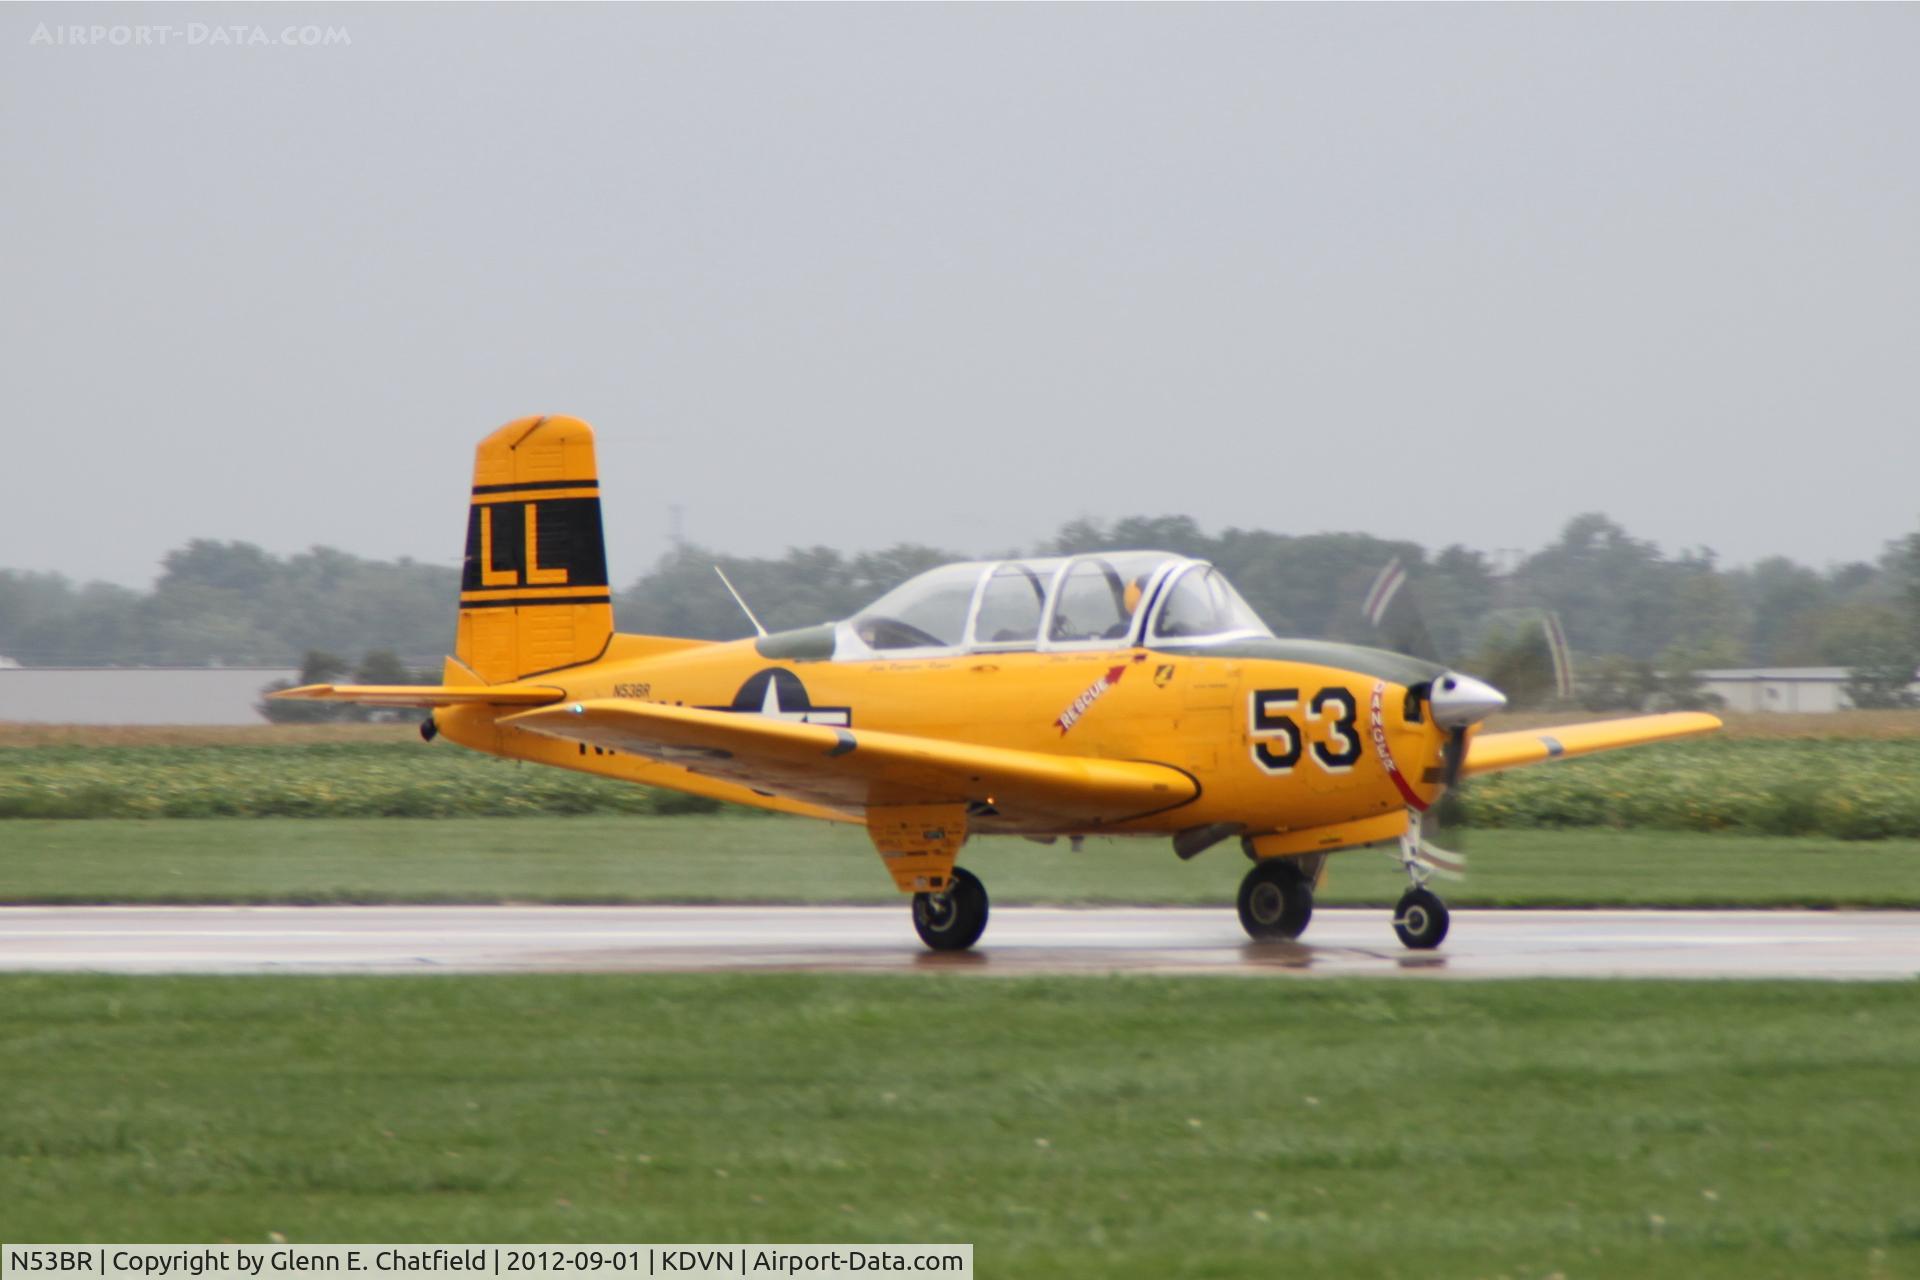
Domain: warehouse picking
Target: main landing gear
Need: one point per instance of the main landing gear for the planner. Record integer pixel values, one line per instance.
(1276, 901)
(953, 919)
(1276, 898)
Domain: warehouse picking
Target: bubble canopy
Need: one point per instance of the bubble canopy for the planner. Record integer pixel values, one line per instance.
(1104, 600)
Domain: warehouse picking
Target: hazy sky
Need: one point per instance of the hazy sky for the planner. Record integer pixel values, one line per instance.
(874, 274)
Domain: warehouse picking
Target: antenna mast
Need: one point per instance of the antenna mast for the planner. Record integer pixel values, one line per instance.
(737, 600)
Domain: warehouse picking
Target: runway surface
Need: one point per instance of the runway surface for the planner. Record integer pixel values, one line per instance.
(1019, 940)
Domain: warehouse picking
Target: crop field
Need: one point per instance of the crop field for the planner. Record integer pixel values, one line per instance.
(1872, 725)
(1066, 1127)
(1848, 788)
(367, 779)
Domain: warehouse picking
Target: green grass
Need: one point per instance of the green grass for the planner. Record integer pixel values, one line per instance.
(1107, 1128)
(1855, 789)
(733, 859)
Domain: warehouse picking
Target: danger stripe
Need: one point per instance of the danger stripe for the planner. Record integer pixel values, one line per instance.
(1379, 734)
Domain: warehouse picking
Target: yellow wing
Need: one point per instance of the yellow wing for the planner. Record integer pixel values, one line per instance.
(851, 769)
(425, 695)
(1491, 751)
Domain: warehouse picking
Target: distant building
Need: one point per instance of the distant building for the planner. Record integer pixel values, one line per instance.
(1803, 689)
(135, 695)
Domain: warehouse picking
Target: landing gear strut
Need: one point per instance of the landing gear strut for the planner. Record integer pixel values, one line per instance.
(954, 919)
(1276, 901)
(1420, 918)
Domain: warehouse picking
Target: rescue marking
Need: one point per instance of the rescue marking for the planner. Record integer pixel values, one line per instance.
(1094, 692)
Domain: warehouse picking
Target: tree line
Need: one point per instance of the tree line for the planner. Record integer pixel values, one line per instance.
(1638, 620)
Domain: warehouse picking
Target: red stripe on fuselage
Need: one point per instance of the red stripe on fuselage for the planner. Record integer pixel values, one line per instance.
(1379, 731)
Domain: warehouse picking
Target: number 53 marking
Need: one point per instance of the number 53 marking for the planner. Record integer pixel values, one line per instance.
(1275, 734)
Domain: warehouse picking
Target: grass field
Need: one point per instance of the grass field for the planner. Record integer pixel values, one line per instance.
(737, 859)
(1093, 1127)
(1098, 1128)
(1853, 788)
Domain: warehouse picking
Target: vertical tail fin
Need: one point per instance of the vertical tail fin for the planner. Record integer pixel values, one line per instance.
(534, 595)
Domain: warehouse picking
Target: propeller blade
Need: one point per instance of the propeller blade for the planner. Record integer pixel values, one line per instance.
(1442, 862)
(1455, 702)
(1453, 758)
(1562, 656)
(1391, 609)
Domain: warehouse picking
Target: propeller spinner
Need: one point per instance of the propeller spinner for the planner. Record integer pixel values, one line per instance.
(1461, 701)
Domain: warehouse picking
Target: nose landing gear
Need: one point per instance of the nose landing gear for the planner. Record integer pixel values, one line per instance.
(1420, 918)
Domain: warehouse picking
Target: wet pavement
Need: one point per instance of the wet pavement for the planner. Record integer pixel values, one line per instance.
(1831, 945)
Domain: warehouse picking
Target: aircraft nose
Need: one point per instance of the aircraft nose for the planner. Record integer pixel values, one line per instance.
(1459, 701)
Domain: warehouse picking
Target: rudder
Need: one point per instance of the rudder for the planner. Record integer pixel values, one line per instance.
(534, 594)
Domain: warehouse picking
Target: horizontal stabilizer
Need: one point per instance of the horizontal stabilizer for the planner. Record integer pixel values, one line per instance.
(425, 695)
(1492, 751)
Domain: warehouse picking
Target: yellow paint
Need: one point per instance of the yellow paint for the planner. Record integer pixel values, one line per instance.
(530, 593)
(505, 643)
(535, 574)
(1492, 751)
(918, 843)
(1012, 703)
(532, 495)
(1327, 839)
(490, 576)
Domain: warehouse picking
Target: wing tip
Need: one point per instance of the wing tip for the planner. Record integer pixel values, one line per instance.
(306, 692)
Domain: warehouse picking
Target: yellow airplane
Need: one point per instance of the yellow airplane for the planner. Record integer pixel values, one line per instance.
(1124, 693)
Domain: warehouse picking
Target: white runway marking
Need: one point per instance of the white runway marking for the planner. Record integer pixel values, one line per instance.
(1019, 940)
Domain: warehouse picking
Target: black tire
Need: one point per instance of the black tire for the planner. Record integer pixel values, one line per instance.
(1276, 902)
(954, 920)
(1421, 919)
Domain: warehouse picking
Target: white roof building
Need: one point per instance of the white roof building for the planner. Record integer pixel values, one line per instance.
(1804, 689)
(135, 695)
